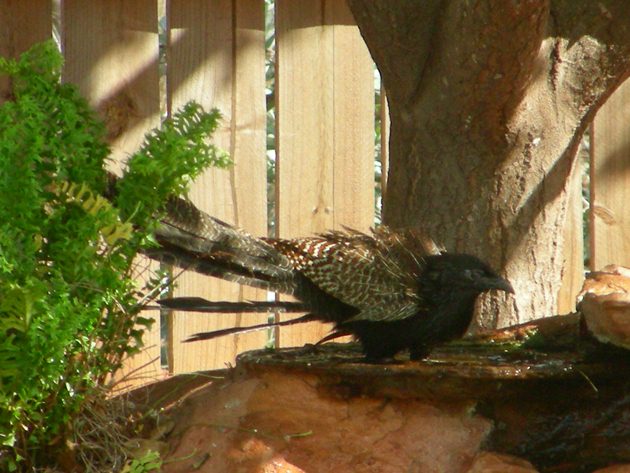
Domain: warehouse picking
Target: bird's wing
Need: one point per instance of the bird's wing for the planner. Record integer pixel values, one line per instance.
(358, 269)
(389, 313)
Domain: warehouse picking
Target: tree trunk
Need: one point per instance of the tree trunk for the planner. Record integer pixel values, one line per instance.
(488, 103)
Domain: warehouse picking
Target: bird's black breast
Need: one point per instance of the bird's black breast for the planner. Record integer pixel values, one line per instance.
(430, 326)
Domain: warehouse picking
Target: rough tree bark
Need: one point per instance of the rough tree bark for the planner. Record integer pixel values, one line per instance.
(488, 103)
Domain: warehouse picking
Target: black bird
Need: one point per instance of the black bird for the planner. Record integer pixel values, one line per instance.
(391, 290)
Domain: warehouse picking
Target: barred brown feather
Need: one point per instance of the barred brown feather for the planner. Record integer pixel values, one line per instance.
(361, 270)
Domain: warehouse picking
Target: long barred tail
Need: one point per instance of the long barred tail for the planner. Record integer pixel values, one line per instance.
(192, 239)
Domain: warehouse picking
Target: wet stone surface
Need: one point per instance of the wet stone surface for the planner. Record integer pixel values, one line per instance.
(562, 410)
(562, 407)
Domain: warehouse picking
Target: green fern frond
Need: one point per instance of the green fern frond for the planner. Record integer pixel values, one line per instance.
(68, 298)
(113, 232)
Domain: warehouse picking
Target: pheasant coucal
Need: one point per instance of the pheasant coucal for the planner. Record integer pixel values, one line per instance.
(391, 290)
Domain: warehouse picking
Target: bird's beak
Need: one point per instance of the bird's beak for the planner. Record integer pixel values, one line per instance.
(500, 284)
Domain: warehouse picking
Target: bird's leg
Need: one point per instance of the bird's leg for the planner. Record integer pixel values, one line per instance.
(378, 353)
(418, 352)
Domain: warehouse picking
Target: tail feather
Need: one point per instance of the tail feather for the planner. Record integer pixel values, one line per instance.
(210, 267)
(199, 304)
(192, 239)
(334, 335)
(252, 328)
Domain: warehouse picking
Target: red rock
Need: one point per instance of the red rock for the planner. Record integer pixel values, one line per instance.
(488, 462)
(611, 279)
(614, 469)
(283, 422)
(605, 304)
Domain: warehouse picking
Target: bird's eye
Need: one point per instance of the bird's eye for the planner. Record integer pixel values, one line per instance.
(472, 274)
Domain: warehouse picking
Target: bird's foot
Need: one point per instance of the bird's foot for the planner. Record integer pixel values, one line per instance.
(418, 354)
(387, 360)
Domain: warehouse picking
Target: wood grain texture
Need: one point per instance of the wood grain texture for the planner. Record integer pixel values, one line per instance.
(610, 182)
(24, 23)
(573, 271)
(111, 51)
(353, 121)
(217, 59)
(325, 127)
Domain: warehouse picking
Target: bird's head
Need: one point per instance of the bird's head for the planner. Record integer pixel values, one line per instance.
(461, 273)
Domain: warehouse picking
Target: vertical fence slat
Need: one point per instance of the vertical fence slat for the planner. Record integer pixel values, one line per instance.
(249, 121)
(24, 23)
(208, 48)
(249, 146)
(111, 49)
(305, 118)
(353, 116)
(325, 112)
(610, 182)
(573, 270)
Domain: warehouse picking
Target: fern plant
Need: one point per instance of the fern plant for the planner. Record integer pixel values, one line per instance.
(69, 304)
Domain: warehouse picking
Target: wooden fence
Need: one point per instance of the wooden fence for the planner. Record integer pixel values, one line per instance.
(324, 133)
